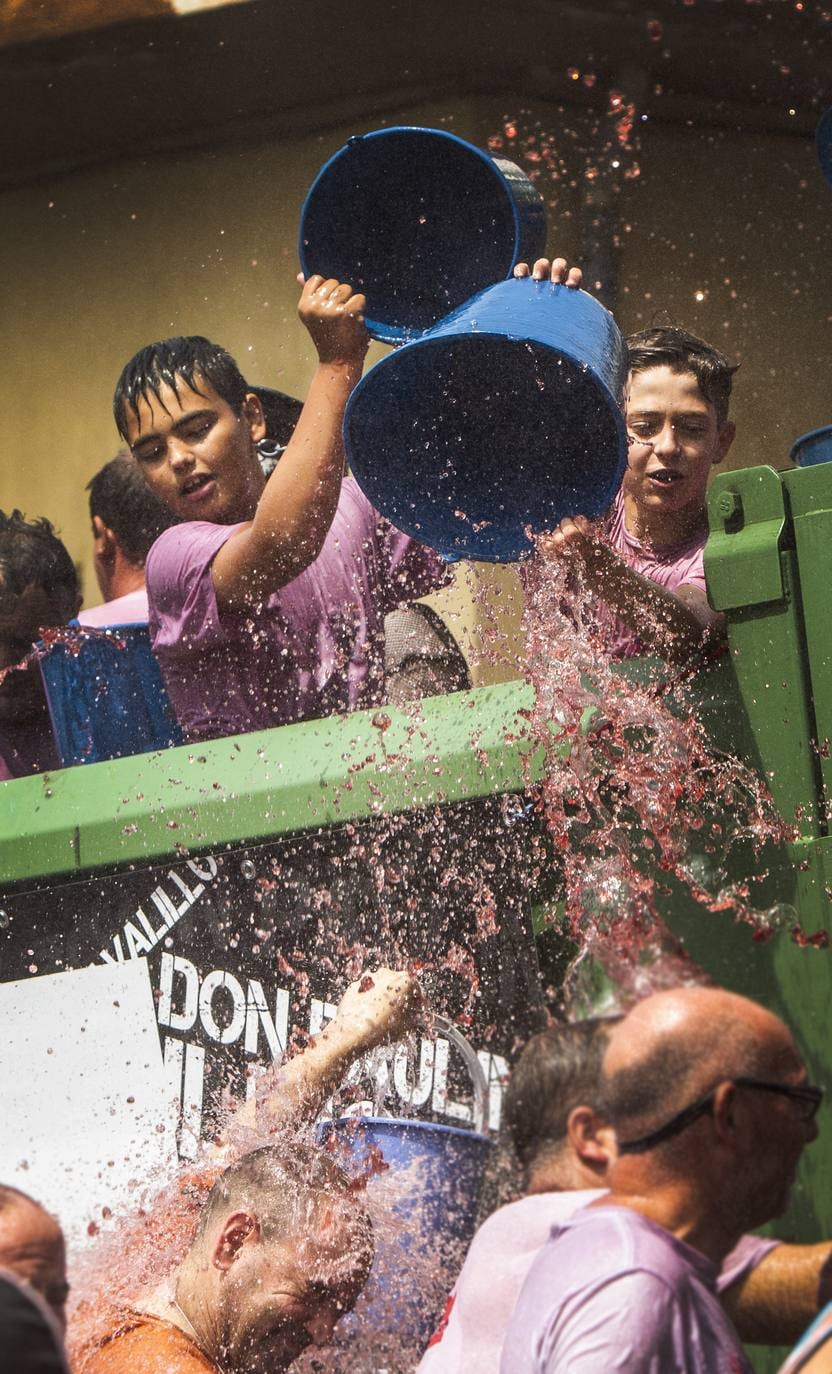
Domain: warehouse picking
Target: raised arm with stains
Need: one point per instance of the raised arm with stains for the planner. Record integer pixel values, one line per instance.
(300, 498)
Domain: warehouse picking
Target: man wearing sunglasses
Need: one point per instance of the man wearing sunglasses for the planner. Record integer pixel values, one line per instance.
(711, 1108)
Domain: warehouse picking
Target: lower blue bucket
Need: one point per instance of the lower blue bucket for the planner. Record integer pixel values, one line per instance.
(429, 1186)
(504, 416)
(814, 447)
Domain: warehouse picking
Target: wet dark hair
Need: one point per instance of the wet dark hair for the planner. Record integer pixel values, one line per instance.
(558, 1071)
(669, 346)
(279, 1183)
(188, 358)
(31, 554)
(121, 498)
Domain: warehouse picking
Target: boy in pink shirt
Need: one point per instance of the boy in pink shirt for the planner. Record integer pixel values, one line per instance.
(644, 562)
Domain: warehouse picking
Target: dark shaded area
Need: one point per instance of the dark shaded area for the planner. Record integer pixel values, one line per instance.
(257, 70)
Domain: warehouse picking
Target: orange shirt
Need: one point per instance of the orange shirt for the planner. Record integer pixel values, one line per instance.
(143, 1344)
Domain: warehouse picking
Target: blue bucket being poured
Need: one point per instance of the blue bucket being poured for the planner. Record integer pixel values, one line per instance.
(429, 1178)
(419, 220)
(504, 416)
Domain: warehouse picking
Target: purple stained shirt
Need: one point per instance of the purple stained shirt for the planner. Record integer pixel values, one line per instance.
(314, 647)
(671, 566)
(471, 1333)
(612, 1291)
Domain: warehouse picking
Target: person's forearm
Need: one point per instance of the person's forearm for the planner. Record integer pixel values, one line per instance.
(778, 1299)
(299, 501)
(303, 1083)
(661, 619)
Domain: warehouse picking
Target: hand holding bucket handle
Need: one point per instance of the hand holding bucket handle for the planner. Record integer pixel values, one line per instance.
(474, 1067)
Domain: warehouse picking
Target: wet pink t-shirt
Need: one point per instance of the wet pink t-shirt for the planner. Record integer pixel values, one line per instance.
(314, 647)
(672, 566)
(613, 1291)
(473, 1327)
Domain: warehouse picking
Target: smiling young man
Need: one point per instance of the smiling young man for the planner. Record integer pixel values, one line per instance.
(644, 563)
(267, 605)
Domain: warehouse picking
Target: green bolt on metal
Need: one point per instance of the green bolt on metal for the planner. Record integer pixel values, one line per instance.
(729, 504)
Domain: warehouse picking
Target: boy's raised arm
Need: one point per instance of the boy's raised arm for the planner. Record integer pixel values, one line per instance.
(300, 498)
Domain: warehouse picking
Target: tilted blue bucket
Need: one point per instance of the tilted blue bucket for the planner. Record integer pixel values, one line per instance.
(419, 220)
(505, 415)
(432, 1187)
(814, 447)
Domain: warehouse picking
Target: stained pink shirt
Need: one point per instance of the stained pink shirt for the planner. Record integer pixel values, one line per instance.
(473, 1328)
(613, 1291)
(314, 647)
(129, 609)
(671, 566)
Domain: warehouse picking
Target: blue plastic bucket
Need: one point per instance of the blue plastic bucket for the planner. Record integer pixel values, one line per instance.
(436, 1173)
(814, 447)
(106, 696)
(505, 415)
(419, 220)
(823, 143)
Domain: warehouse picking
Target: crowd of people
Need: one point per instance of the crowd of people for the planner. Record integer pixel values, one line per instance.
(653, 1144)
(268, 598)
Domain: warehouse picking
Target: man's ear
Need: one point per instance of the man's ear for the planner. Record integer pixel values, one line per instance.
(725, 439)
(238, 1229)
(254, 417)
(732, 1122)
(103, 539)
(591, 1139)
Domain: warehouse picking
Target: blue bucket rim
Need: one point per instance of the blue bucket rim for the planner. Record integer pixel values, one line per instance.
(380, 329)
(808, 437)
(410, 1123)
(425, 339)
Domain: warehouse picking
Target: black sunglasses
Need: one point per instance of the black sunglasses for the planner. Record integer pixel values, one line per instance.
(808, 1099)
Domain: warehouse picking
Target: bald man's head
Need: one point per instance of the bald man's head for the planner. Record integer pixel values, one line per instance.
(673, 1047)
(32, 1247)
(700, 1083)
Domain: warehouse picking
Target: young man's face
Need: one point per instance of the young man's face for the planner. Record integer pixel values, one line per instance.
(196, 454)
(675, 441)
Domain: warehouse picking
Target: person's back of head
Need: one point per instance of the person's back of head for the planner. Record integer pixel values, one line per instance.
(675, 348)
(32, 1248)
(39, 589)
(122, 503)
(550, 1106)
(707, 1088)
(33, 557)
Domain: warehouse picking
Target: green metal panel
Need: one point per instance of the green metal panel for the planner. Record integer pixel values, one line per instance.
(809, 496)
(262, 785)
(747, 516)
(752, 575)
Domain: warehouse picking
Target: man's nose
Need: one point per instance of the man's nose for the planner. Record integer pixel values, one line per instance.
(179, 455)
(666, 441)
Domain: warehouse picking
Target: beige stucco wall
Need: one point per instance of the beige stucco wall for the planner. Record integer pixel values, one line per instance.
(95, 264)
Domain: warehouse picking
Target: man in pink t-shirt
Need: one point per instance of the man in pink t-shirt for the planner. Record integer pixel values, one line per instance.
(711, 1107)
(126, 519)
(267, 603)
(565, 1148)
(644, 564)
